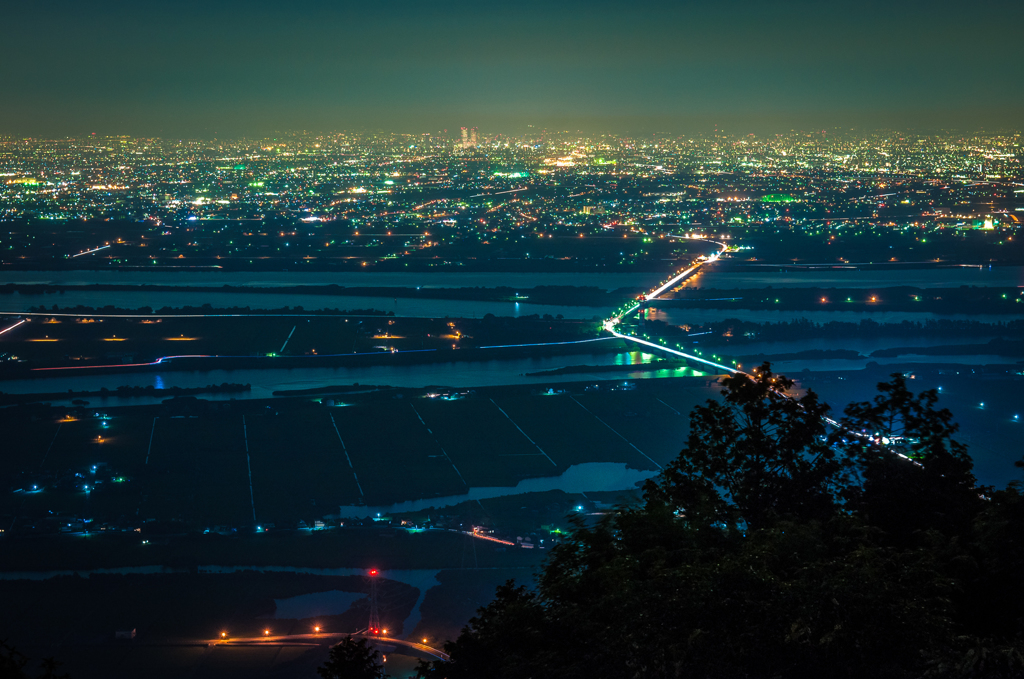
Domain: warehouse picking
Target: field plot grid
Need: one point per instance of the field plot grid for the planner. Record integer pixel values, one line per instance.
(483, 443)
(25, 445)
(647, 423)
(568, 433)
(21, 457)
(197, 471)
(394, 454)
(298, 465)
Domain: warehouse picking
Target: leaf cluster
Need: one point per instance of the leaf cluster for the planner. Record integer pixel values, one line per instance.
(780, 543)
(352, 659)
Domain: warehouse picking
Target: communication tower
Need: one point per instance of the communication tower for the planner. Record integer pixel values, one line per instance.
(373, 628)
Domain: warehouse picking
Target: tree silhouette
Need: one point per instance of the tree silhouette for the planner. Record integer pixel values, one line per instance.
(771, 549)
(13, 665)
(509, 639)
(755, 455)
(352, 659)
(928, 483)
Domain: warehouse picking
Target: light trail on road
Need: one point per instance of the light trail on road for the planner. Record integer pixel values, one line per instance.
(89, 252)
(127, 365)
(8, 329)
(670, 350)
(489, 538)
(609, 325)
(163, 359)
(91, 315)
(673, 281)
(545, 344)
(478, 195)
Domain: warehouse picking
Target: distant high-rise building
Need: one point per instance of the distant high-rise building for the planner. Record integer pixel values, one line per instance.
(469, 138)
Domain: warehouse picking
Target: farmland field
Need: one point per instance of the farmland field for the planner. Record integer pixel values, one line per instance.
(655, 422)
(394, 454)
(243, 464)
(568, 433)
(298, 466)
(485, 446)
(198, 472)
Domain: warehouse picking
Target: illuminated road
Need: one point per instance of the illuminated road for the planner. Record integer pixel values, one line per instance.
(89, 252)
(319, 639)
(611, 323)
(483, 536)
(670, 350)
(12, 327)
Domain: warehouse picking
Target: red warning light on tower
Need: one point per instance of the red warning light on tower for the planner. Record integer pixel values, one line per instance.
(373, 571)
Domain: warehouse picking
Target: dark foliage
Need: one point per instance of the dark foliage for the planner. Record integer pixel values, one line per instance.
(757, 455)
(14, 665)
(938, 492)
(352, 659)
(779, 544)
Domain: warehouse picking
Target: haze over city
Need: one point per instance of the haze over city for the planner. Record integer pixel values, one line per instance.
(229, 68)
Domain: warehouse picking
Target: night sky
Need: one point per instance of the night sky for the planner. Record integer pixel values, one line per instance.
(234, 67)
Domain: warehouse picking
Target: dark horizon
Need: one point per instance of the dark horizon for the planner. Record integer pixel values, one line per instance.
(231, 69)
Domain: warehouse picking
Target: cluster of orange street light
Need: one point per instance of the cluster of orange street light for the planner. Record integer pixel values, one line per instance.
(266, 632)
(316, 630)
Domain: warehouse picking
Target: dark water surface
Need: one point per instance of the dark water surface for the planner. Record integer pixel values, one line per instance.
(420, 308)
(270, 279)
(782, 277)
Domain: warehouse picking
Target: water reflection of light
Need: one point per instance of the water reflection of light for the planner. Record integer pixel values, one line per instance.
(265, 381)
(633, 358)
(158, 382)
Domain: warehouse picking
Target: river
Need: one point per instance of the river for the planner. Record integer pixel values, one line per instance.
(727, 276)
(463, 374)
(420, 308)
(697, 316)
(265, 381)
(272, 279)
(724, 275)
(865, 346)
(483, 373)
(714, 277)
